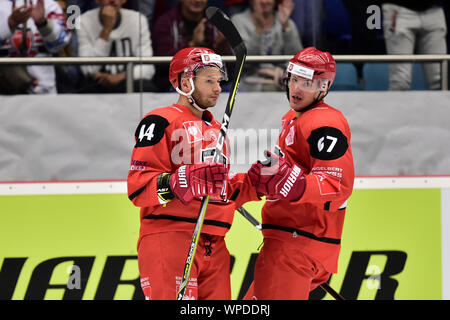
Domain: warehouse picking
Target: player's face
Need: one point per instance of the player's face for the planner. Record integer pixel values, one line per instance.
(302, 92)
(207, 86)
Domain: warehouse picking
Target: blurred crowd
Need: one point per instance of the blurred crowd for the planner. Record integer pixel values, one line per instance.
(146, 28)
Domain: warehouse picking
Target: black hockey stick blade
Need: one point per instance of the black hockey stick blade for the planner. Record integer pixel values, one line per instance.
(250, 218)
(222, 22)
(326, 287)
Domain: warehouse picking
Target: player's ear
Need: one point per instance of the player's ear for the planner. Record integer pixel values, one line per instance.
(185, 84)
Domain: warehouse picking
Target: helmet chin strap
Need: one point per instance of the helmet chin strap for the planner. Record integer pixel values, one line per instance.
(190, 98)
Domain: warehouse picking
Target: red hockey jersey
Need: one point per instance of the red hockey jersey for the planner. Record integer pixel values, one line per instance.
(318, 141)
(167, 138)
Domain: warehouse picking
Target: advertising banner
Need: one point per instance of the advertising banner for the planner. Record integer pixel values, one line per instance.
(77, 240)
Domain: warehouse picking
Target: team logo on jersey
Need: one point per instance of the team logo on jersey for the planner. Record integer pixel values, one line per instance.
(193, 130)
(290, 137)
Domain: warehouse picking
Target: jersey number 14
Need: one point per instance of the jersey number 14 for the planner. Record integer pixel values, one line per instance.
(146, 133)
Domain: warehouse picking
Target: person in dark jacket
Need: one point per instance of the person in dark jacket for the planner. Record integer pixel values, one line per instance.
(185, 25)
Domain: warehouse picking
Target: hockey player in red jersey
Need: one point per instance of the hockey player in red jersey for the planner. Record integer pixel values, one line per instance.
(307, 182)
(171, 170)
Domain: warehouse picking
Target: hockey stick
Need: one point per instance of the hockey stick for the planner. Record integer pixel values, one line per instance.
(325, 286)
(224, 24)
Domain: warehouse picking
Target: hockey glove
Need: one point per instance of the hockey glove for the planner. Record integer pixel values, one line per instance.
(197, 180)
(277, 178)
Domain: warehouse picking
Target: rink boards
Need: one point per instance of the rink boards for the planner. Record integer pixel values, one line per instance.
(77, 240)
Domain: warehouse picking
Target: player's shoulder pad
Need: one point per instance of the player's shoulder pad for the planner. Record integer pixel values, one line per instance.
(327, 143)
(150, 130)
(152, 127)
(327, 137)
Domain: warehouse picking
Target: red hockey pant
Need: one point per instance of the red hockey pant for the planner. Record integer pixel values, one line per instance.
(284, 272)
(162, 257)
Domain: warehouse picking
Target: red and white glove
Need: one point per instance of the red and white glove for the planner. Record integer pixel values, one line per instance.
(277, 178)
(197, 180)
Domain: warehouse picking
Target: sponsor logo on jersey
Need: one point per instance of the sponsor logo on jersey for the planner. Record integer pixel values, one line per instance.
(137, 165)
(328, 179)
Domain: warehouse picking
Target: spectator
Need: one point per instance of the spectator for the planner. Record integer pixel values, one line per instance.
(267, 31)
(45, 34)
(110, 31)
(146, 7)
(308, 16)
(364, 40)
(410, 25)
(68, 76)
(185, 25)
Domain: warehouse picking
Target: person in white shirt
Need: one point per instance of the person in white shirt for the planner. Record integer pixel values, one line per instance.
(414, 27)
(109, 31)
(32, 28)
(267, 29)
